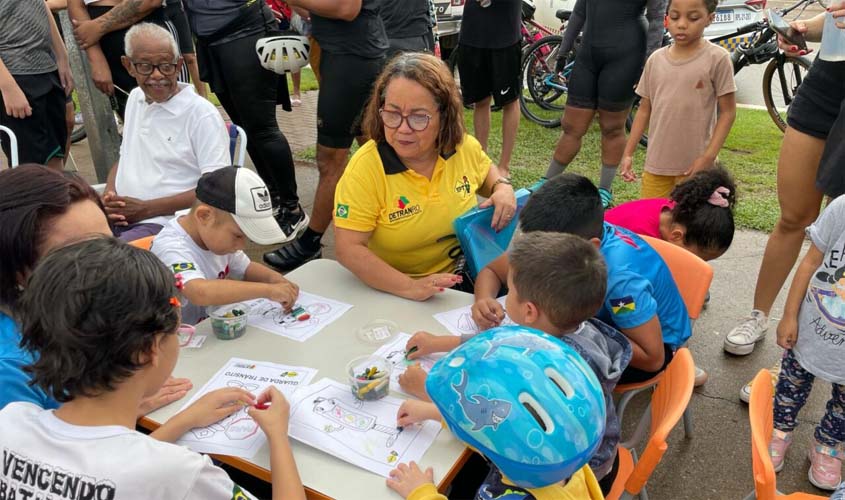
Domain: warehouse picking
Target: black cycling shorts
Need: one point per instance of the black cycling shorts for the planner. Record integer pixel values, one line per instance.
(486, 72)
(346, 82)
(830, 179)
(604, 78)
(816, 104)
(43, 135)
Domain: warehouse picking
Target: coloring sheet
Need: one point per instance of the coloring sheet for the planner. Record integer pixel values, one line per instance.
(320, 311)
(328, 417)
(394, 353)
(238, 435)
(459, 321)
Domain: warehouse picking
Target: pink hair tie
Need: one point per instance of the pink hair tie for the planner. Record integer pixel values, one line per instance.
(719, 198)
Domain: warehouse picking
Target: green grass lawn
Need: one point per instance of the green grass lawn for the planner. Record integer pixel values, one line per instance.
(750, 153)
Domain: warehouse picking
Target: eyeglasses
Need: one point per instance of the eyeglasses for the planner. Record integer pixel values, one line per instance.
(416, 121)
(145, 69)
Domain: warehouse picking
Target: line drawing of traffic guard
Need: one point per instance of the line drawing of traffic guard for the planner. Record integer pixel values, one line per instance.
(352, 418)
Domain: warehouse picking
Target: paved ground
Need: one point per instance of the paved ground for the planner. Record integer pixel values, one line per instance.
(716, 462)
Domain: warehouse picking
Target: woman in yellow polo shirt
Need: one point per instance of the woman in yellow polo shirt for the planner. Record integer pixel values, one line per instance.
(396, 201)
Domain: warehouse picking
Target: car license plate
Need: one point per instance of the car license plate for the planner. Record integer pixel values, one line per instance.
(744, 16)
(441, 8)
(724, 16)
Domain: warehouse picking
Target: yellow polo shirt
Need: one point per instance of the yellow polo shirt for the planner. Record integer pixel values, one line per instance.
(410, 216)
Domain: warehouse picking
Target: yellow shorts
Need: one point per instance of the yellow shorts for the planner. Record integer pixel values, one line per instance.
(659, 186)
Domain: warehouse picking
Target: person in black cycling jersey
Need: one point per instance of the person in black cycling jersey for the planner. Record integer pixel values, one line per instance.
(353, 44)
(226, 32)
(616, 40)
(408, 26)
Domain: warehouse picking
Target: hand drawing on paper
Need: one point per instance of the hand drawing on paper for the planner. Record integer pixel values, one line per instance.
(327, 416)
(394, 353)
(354, 419)
(460, 322)
(238, 434)
(236, 427)
(310, 315)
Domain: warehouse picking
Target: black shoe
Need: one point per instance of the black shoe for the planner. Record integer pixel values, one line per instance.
(291, 222)
(289, 257)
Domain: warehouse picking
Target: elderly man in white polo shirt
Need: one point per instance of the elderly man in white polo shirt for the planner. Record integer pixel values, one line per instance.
(171, 136)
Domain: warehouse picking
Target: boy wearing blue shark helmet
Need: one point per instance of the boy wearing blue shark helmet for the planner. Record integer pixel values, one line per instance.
(526, 401)
(556, 282)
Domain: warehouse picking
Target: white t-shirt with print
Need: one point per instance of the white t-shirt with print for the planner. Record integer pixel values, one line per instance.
(820, 348)
(46, 457)
(167, 146)
(180, 253)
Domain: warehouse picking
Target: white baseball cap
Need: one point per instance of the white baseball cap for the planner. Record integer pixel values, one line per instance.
(242, 193)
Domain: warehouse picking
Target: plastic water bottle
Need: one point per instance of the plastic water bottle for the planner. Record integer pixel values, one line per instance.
(833, 40)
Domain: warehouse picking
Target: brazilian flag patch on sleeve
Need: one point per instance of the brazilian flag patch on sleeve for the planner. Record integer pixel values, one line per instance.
(624, 305)
(238, 493)
(183, 266)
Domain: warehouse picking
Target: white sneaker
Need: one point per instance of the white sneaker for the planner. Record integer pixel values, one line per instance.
(745, 392)
(740, 341)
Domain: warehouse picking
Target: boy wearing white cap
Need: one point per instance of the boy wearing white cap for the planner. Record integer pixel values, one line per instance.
(205, 246)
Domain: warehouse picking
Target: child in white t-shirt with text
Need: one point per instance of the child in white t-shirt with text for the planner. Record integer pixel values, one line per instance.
(681, 88)
(205, 246)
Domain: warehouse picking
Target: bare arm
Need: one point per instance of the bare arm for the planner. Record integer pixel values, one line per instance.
(169, 205)
(346, 10)
(100, 72)
(123, 15)
(57, 6)
(60, 52)
(284, 475)
(787, 332)
(207, 292)
(489, 281)
(259, 273)
(352, 251)
(640, 125)
(724, 122)
(647, 345)
(14, 99)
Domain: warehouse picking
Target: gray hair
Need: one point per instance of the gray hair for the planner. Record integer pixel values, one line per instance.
(148, 30)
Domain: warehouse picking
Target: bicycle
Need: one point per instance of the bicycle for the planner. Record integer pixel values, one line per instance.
(545, 95)
(530, 32)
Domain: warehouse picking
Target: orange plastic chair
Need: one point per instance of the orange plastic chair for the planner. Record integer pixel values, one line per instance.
(760, 416)
(143, 243)
(692, 276)
(669, 401)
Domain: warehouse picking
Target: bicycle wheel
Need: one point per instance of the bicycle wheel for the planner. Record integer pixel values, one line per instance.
(629, 121)
(539, 101)
(781, 79)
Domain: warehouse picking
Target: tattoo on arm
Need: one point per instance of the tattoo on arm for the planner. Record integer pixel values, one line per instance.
(123, 15)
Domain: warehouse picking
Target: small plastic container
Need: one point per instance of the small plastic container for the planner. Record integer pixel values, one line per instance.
(228, 322)
(833, 40)
(369, 377)
(378, 331)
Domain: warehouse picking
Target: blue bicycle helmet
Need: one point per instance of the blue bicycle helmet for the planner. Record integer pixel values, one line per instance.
(525, 400)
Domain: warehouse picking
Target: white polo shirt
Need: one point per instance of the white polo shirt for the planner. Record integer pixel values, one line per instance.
(168, 146)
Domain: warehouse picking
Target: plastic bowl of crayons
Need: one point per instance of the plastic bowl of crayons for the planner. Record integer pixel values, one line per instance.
(369, 377)
(228, 322)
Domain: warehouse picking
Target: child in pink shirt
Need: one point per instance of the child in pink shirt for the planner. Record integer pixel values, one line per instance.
(698, 215)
